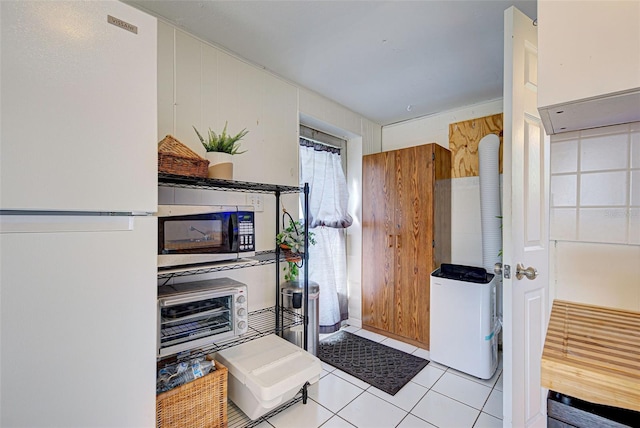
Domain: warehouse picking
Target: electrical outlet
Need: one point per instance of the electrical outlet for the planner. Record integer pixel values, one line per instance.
(257, 201)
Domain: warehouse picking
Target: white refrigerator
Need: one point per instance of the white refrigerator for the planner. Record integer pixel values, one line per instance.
(78, 190)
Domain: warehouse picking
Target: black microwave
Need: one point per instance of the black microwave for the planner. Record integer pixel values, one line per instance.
(193, 234)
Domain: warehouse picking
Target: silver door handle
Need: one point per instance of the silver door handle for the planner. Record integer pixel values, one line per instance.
(497, 269)
(530, 273)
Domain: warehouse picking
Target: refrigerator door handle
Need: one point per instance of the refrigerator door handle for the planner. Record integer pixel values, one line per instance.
(64, 223)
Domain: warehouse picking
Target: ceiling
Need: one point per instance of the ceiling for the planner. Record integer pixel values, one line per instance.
(389, 61)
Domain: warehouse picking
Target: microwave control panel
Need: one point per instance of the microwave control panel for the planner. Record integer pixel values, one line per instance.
(246, 233)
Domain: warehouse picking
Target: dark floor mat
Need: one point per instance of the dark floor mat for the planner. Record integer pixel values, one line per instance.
(386, 368)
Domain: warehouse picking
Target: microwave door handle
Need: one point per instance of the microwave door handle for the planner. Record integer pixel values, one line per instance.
(233, 231)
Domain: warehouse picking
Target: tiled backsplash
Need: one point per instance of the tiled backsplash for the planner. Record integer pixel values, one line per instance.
(595, 185)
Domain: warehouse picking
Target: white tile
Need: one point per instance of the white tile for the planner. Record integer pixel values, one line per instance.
(573, 135)
(370, 411)
(605, 131)
(337, 422)
(310, 415)
(635, 150)
(428, 376)
(327, 367)
(603, 225)
(486, 382)
(564, 157)
(499, 383)
(166, 195)
(635, 188)
(264, 425)
(411, 421)
(493, 405)
(396, 344)
(370, 335)
(422, 353)
(603, 188)
(445, 412)
(352, 379)
(563, 223)
(438, 366)
(564, 190)
(604, 152)
(406, 398)
(463, 390)
(333, 392)
(351, 328)
(487, 421)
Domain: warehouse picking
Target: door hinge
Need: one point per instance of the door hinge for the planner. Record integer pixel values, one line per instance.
(433, 244)
(433, 156)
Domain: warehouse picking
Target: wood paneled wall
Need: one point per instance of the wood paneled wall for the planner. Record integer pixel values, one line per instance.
(463, 142)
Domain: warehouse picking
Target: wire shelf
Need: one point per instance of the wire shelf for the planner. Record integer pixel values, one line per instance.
(261, 323)
(273, 320)
(186, 182)
(261, 258)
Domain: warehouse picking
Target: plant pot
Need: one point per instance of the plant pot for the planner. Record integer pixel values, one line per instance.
(220, 165)
(289, 255)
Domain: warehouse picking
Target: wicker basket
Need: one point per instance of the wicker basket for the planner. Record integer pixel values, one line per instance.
(198, 404)
(176, 158)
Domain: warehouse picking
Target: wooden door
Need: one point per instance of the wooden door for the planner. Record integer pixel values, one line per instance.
(526, 227)
(413, 241)
(378, 196)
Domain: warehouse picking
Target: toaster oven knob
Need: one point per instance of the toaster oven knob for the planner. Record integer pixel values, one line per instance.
(241, 299)
(242, 312)
(242, 325)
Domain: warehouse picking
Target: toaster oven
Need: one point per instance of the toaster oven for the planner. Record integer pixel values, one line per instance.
(197, 314)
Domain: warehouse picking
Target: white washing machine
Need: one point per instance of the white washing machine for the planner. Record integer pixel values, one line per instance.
(464, 326)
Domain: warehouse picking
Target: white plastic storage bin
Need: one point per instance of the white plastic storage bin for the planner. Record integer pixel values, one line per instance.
(267, 372)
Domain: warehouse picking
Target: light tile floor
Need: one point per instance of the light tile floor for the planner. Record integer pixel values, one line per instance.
(438, 396)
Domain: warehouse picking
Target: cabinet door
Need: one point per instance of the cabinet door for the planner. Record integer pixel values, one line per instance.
(413, 242)
(378, 194)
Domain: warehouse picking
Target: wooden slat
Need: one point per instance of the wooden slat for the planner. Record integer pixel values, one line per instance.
(464, 138)
(593, 353)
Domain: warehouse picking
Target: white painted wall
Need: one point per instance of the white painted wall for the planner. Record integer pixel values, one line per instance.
(466, 237)
(202, 85)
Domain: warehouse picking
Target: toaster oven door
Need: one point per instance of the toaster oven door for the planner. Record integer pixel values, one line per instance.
(187, 324)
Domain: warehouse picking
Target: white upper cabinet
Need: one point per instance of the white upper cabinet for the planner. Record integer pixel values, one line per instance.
(589, 63)
(79, 107)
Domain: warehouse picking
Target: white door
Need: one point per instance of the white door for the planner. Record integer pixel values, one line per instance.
(525, 227)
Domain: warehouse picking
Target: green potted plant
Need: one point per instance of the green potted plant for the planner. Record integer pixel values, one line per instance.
(220, 149)
(291, 241)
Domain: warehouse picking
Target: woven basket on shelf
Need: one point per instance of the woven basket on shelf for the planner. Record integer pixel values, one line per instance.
(176, 158)
(200, 403)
